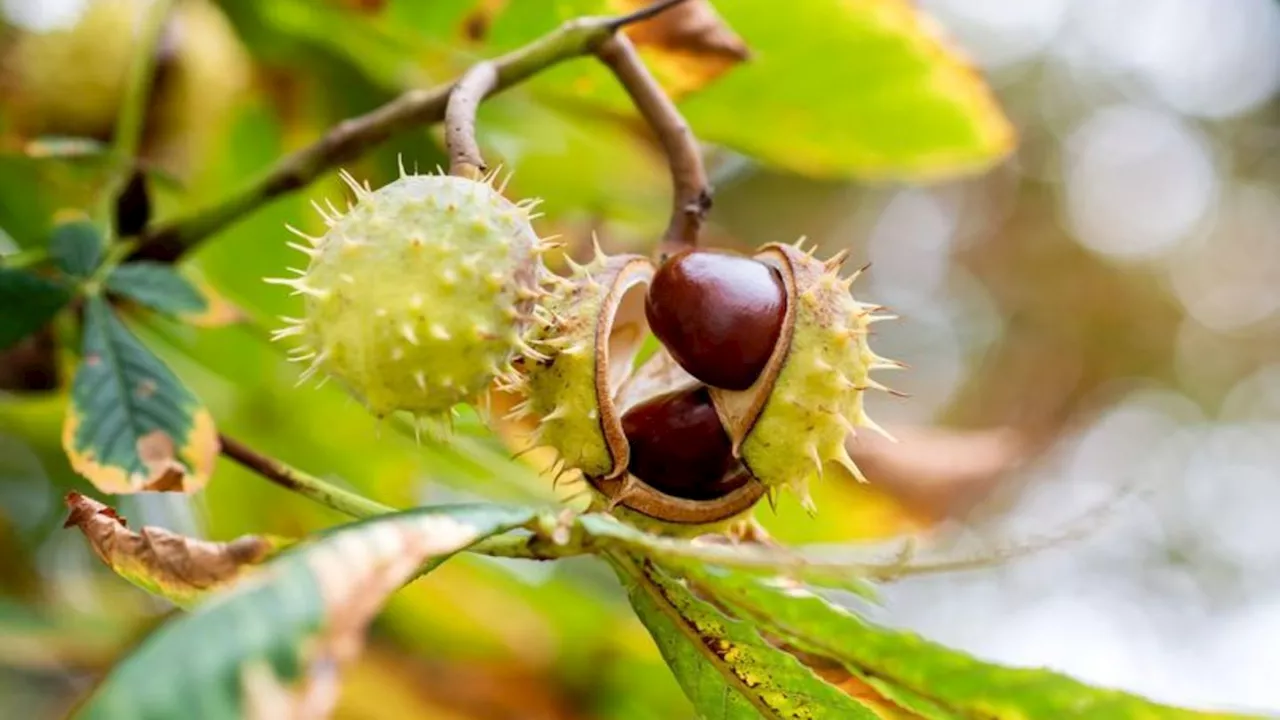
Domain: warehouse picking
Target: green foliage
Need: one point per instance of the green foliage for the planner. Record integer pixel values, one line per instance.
(830, 90)
(157, 286)
(724, 665)
(860, 89)
(271, 644)
(925, 677)
(76, 248)
(29, 301)
(132, 425)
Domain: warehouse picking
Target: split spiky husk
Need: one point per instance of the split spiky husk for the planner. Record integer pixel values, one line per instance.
(579, 378)
(417, 297)
(791, 425)
(579, 352)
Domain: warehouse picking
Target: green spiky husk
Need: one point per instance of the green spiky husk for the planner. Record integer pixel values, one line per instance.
(417, 297)
(817, 399)
(561, 384)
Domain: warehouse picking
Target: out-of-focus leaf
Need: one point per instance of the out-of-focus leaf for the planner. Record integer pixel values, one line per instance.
(832, 89)
(158, 286)
(218, 310)
(29, 301)
(76, 247)
(724, 665)
(64, 147)
(133, 205)
(180, 569)
(49, 638)
(272, 645)
(932, 680)
(132, 426)
(752, 559)
(867, 88)
(688, 46)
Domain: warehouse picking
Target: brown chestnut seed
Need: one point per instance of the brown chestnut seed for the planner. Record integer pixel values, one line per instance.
(719, 315)
(678, 446)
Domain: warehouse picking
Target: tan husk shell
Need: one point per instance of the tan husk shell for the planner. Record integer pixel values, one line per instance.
(660, 374)
(793, 421)
(738, 409)
(603, 305)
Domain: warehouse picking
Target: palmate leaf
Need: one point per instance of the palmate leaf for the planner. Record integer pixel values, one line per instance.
(180, 569)
(723, 664)
(272, 645)
(930, 680)
(28, 301)
(76, 247)
(132, 426)
(158, 286)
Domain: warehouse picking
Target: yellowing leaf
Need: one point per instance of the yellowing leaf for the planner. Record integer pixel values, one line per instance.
(688, 46)
(843, 87)
(832, 88)
(218, 310)
(272, 645)
(132, 426)
(178, 568)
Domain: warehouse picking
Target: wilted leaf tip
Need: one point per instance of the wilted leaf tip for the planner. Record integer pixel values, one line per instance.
(178, 568)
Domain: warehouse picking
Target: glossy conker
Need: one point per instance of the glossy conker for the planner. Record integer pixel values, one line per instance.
(719, 315)
(678, 446)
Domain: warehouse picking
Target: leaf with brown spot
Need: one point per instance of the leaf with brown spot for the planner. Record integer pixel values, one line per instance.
(178, 568)
(132, 426)
(688, 46)
(273, 645)
(923, 677)
(725, 667)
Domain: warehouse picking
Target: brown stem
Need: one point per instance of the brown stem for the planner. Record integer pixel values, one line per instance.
(692, 196)
(353, 137)
(295, 480)
(460, 120)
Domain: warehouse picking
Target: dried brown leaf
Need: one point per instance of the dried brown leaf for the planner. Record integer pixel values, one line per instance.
(937, 472)
(688, 45)
(179, 568)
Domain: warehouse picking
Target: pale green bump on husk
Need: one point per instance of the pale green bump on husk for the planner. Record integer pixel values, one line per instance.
(817, 399)
(417, 297)
(561, 384)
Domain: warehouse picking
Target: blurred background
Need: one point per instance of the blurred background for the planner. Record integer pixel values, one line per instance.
(1092, 329)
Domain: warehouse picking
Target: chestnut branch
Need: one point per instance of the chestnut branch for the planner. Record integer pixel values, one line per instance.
(353, 137)
(460, 120)
(692, 195)
(295, 480)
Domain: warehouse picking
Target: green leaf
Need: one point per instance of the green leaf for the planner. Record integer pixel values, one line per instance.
(272, 643)
(831, 89)
(724, 666)
(838, 88)
(929, 679)
(132, 426)
(179, 569)
(158, 286)
(29, 301)
(76, 247)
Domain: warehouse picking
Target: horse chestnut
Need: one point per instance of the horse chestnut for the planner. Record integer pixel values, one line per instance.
(679, 447)
(719, 315)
